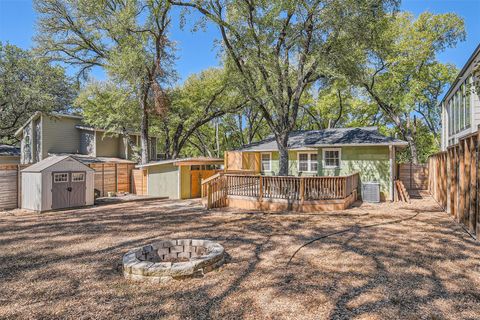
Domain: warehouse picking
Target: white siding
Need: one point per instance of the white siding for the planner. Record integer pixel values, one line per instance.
(32, 191)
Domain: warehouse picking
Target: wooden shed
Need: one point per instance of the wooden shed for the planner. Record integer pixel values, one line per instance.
(176, 179)
(57, 182)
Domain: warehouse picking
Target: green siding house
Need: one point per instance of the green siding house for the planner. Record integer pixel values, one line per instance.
(329, 152)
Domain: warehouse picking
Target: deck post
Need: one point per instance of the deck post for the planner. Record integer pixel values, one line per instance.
(302, 189)
(260, 186)
(209, 196)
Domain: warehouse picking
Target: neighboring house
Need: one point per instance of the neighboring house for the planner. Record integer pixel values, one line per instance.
(329, 152)
(461, 104)
(52, 134)
(178, 178)
(9, 154)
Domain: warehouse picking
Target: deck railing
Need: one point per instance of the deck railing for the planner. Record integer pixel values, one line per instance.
(216, 189)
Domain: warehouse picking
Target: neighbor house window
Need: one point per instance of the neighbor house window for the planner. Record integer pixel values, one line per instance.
(60, 177)
(266, 162)
(307, 162)
(331, 158)
(78, 177)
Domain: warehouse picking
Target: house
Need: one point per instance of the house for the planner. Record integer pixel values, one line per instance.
(329, 152)
(461, 104)
(177, 178)
(9, 154)
(53, 134)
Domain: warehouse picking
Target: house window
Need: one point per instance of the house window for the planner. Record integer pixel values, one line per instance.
(78, 177)
(331, 158)
(307, 162)
(266, 162)
(60, 177)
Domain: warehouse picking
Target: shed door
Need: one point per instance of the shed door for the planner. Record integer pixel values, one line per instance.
(60, 193)
(68, 189)
(77, 187)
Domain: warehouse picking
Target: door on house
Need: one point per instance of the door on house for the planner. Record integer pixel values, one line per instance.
(68, 189)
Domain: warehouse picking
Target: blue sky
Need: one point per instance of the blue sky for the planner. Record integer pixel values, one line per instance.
(196, 50)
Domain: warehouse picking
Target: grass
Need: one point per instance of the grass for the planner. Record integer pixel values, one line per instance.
(387, 261)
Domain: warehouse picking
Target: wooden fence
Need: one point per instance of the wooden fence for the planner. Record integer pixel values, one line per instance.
(9, 186)
(109, 177)
(112, 177)
(218, 187)
(413, 176)
(454, 182)
(139, 182)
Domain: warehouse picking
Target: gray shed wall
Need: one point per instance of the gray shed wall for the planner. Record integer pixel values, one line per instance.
(163, 181)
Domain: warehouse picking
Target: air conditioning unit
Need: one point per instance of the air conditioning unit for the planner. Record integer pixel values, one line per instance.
(371, 192)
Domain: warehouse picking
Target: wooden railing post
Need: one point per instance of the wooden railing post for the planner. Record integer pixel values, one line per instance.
(302, 189)
(260, 185)
(209, 196)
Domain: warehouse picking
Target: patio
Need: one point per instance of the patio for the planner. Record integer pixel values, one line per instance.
(386, 261)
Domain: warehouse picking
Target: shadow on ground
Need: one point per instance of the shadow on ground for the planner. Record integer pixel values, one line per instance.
(387, 261)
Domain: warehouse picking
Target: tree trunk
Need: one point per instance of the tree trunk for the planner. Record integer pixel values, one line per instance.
(413, 146)
(282, 143)
(144, 133)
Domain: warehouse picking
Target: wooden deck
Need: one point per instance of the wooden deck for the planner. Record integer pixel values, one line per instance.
(278, 193)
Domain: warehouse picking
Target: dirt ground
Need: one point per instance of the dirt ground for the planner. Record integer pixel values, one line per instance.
(387, 261)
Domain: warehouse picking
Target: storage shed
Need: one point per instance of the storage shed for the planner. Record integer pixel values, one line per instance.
(57, 182)
(176, 179)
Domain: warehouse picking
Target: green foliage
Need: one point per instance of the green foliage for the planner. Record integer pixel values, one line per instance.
(29, 84)
(401, 74)
(108, 106)
(426, 143)
(338, 105)
(280, 49)
(202, 98)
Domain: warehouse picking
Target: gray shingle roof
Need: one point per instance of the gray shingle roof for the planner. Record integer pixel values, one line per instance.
(366, 136)
(6, 150)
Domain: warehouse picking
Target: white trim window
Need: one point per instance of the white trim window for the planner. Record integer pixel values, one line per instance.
(307, 162)
(60, 177)
(78, 177)
(331, 157)
(266, 161)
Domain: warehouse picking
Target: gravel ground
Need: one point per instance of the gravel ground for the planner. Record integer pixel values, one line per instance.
(386, 261)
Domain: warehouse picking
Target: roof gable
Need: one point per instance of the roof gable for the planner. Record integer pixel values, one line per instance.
(57, 160)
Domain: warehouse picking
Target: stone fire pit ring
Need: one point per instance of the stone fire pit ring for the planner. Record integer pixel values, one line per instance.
(172, 259)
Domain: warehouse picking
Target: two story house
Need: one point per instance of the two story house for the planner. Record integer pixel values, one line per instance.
(44, 135)
(461, 104)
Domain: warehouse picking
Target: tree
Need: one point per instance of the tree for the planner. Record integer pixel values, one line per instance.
(397, 72)
(281, 48)
(29, 84)
(202, 98)
(126, 38)
(337, 105)
(437, 77)
(111, 107)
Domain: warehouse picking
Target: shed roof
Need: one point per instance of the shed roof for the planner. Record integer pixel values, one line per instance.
(7, 150)
(50, 161)
(301, 140)
(184, 161)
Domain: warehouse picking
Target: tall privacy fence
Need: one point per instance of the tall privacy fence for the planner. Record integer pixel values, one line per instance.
(454, 182)
(109, 177)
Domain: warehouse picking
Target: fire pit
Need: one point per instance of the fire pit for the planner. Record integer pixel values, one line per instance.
(172, 259)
